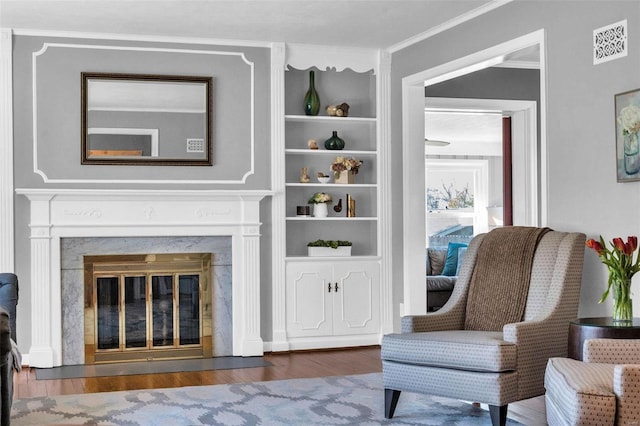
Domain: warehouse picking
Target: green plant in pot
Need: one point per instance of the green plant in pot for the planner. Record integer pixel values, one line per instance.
(329, 248)
(334, 244)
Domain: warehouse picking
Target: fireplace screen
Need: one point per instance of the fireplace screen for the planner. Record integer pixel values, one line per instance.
(145, 307)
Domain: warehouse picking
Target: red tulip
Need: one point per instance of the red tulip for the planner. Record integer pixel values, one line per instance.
(593, 244)
(633, 243)
(618, 243)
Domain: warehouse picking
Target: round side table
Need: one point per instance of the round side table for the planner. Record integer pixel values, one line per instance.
(602, 327)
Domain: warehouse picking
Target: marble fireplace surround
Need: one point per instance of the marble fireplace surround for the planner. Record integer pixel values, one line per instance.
(77, 213)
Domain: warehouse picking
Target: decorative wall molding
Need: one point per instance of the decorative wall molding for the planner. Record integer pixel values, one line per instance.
(385, 240)
(47, 46)
(278, 208)
(7, 242)
(302, 56)
(60, 213)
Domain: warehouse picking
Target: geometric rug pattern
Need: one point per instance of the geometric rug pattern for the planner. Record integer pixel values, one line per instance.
(337, 400)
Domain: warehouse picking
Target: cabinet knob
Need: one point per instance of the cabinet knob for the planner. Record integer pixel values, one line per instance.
(336, 287)
(329, 287)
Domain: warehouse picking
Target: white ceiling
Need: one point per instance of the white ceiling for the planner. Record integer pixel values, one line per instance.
(358, 23)
(467, 133)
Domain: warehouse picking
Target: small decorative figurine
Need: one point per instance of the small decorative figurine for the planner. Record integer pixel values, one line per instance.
(312, 144)
(341, 110)
(338, 207)
(304, 175)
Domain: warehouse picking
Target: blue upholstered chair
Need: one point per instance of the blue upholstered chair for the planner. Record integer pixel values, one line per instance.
(435, 355)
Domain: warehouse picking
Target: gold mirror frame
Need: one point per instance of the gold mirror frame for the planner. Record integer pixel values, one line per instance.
(134, 158)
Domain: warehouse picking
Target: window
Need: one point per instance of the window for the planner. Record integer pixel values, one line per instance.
(456, 200)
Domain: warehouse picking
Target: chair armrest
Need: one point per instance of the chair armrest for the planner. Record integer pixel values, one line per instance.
(536, 341)
(612, 351)
(436, 321)
(625, 386)
(548, 334)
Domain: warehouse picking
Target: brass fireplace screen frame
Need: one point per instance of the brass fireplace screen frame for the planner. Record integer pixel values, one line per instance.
(147, 266)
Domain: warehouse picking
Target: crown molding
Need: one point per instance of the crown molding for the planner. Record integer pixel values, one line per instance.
(458, 20)
(139, 38)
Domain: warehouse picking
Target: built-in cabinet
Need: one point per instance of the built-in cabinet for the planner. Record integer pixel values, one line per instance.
(331, 301)
(333, 298)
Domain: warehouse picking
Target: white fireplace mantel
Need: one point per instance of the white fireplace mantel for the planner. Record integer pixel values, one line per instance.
(64, 213)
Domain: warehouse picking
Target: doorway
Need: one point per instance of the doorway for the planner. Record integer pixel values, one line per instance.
(530, 176)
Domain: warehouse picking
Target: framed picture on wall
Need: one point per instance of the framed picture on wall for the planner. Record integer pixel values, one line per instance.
(627, 106)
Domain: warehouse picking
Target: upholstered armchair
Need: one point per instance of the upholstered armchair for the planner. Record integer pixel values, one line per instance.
(604, 389)
(439, 354)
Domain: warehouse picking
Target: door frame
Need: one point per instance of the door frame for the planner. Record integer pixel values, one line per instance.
(413, 157)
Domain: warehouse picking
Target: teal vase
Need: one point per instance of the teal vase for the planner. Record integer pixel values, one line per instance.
(311, 98)
(334, 143)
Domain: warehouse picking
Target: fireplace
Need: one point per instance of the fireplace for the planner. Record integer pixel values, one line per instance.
(58, 215)
(145, 307)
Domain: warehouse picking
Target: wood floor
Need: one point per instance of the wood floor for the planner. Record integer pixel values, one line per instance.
(285, 366)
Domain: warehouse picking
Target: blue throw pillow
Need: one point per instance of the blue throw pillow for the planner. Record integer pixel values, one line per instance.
(451, 263)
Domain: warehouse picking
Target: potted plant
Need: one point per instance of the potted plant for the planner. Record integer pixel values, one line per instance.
(622, 267)
(320, 201)
(329, 248)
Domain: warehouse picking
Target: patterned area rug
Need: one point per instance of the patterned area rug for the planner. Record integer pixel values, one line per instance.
(339, 400)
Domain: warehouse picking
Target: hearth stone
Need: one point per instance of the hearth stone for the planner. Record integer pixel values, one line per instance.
(73, 249)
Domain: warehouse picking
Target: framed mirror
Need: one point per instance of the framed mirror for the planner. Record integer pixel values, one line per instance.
(146, 119)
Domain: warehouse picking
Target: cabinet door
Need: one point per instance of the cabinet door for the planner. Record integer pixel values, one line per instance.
(309, 311)
(357, 300)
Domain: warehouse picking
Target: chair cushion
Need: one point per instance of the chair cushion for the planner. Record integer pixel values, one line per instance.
(436, 258)
(459, 349)
(440, 283)
(580, 393)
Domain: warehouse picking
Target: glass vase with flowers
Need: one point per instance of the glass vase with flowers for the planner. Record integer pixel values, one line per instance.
(622, 267)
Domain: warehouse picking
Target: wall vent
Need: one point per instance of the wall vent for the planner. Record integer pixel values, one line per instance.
(610, 42)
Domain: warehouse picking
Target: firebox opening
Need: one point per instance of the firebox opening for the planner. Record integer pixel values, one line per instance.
(147, 307)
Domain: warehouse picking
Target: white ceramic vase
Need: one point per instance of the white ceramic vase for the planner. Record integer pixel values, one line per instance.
(320, 210)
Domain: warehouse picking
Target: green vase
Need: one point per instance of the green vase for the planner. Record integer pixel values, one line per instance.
(311, 98)
(334, 143)
(622, 303)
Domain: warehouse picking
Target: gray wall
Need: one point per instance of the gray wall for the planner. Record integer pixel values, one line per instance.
(58, 130)
(583, 193)
(491, 83)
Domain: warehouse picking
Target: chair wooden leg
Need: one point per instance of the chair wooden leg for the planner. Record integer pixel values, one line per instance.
(498, 414)
(391, 397)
